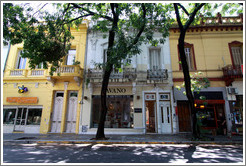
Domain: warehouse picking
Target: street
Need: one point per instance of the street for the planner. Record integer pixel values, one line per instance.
(122, 153)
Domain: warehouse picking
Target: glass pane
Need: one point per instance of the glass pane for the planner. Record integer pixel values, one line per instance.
(71, 57)
(120, 111)
(59, 94)
(9, 116)
(34, 116)
(73, 94)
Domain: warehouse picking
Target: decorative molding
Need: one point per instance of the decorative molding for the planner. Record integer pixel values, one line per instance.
(93, 44)
(52, 80)
(36, 85)
(78, 80)
(90, 86)
(134, 89)
(66, 85)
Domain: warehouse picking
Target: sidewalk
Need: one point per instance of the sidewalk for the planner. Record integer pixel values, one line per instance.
(117, 139)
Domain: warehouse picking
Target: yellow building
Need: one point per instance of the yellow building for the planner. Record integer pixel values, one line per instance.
(34, 101)
(216, 49)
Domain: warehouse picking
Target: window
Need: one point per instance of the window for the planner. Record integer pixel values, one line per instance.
(39, 66)
(9, 116)
(71, 57)
(190, 57)
(236, 53)
(21, 62)
(34, 116)
(155, 60)
(120, 111)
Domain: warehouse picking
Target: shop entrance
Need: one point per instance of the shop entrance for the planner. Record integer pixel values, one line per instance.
(20, 119)
(71, 112)
(57, 113)
(150, 116)
(166, 117)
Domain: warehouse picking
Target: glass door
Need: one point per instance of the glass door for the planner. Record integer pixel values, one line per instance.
(20, 119)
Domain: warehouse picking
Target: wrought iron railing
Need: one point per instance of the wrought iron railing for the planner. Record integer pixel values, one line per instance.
(157, 74)
(231, 71)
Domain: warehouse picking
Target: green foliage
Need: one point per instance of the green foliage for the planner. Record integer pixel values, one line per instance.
(198, 82)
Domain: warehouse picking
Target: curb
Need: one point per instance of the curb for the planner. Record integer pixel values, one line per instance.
(57, 142)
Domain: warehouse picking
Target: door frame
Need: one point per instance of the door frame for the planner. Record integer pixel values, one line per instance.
(157, 91)
(53, 105)
(67, 112)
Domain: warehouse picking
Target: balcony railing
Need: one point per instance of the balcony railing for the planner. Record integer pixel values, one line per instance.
(157, 75)
(17, 72)
(127, 73)
(230, 71)
(37, 72)
(66, 69)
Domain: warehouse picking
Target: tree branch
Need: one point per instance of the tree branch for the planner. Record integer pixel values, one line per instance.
(192, 16)
(178, 16)
(39, 9)
(182, 7)
(143, 26)
(91, 12)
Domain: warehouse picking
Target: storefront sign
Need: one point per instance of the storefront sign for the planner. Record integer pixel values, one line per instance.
(116, 90)
(23, 100)
(138, 110)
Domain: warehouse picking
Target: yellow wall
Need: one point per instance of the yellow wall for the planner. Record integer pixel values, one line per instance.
(45, 90)
(210, 48)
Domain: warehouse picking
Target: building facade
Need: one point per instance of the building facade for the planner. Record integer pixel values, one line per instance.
(140, 98)
(36, 102)
(215, 47)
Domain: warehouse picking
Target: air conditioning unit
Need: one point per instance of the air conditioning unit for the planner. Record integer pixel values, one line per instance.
(232, 90)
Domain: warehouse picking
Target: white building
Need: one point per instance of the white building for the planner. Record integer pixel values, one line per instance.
(140, 98)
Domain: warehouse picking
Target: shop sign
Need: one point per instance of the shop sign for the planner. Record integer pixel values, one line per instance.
(116, 90)
(22, 100)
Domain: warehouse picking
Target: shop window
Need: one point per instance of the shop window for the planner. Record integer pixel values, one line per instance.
(73, 94)
(154, 58)
(236, 108)
(34, 116)
(207, 118)
(21, 62)
(120, 111)
(190, 56)
(236, 50)
(9, 116)
(71, 57)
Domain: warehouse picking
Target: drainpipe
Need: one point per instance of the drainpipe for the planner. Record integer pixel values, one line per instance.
(84, 74)
(6, 57)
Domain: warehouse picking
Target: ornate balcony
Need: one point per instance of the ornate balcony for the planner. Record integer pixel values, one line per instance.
(231, 72)
(158, 75)
(128, 74)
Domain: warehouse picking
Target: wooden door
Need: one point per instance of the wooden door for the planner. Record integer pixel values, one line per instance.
(184, 116)
(150, 116)
(57, 113)
(71, 112)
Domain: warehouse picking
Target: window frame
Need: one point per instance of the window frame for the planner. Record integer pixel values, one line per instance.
(159, 59)
(235, 44)
(19, 64)
(191, 46)
(69, 55)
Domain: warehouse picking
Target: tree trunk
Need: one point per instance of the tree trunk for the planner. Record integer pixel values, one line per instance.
(100, 131)
(107, 71)
(185, 67)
